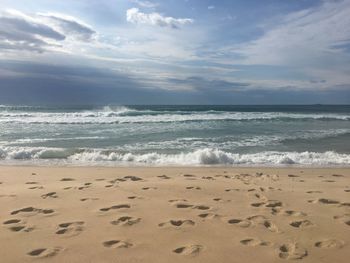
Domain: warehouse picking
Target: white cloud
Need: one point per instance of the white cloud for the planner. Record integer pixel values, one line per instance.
(146, 4)
(314, 42)
(70, 26)
(308, 37)
(21, 32)
(211, 7)
(134, 16)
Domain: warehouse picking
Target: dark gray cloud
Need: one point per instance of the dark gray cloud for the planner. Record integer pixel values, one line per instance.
(48, 84)
(18, 28)
(202, 84)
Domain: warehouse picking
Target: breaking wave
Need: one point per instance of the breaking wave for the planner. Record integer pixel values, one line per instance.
(206, 156)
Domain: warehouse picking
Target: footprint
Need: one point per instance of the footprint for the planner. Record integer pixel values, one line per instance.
(44, 252)
(70, 228)
(218, 199)
(344, 218)
(209, 215)
(17, 225)
(233, 190)
(149, 188)
(208, 178)
(326, 201)
(292, 251)
(189, 175)
(126, 221)
(293, 175)
(314, 192)
(329, 243)
(117, 244)
(164, 176)
(273, 203)
(239, 222)
(263, 221)
(17, 228)
(253, 242)
(106, 209)
(183, 205)
(31, 209)
(301, 224)
(32, 183)
(201, 207)
(36, 187)
(262, 197)
(257, 219)
(51, 195)
(190, 250)
(177, 200)
(84, 186)
(177, 223)
(134, 197)
(270, 226)
(132, 178)
(278, 211)
(337, 175)
(193, 187)
(87, 199)
(258, 204)
(67, 179)
(12, 221)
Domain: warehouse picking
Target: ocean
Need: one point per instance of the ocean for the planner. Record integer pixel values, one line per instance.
(315, 135)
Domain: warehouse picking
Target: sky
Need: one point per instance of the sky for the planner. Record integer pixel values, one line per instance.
(174, 52)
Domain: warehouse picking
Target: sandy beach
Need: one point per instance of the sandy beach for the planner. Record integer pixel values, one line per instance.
(183, 214)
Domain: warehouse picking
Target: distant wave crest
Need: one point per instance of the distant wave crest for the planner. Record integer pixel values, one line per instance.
(121, 114)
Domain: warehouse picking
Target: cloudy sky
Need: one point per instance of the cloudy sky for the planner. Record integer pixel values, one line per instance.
(174, 51)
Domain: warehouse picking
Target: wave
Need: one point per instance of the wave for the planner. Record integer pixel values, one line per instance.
(205, 156)
(123, 114)
(39, 140)
(216, 157)
(33, 153)
(229, 142)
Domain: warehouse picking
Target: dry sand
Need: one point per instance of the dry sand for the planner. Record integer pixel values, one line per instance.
(174, 215)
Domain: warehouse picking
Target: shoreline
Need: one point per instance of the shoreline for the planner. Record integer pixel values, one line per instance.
(199, 166)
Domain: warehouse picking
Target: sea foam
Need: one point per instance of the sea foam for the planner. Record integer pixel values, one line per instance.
(206, 156)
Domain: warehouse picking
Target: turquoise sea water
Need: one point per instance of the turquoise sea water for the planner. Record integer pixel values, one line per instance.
(176, 135)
